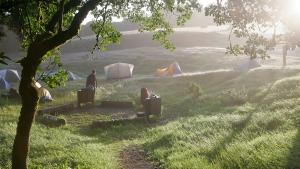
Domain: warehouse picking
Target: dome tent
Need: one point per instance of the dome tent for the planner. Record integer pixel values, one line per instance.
(10, 75)
(72, 76)
(171, 70)
(118, 70)
(45, 95)
(4, 84)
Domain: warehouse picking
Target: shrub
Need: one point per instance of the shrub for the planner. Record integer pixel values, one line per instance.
(195, 90)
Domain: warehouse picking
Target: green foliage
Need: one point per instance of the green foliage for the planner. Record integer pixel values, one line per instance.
(150, 16)
(58, 78)
(52, 73)
(106, 34)
(250, 20)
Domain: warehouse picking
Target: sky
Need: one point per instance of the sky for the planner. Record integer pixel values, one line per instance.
(90, 16)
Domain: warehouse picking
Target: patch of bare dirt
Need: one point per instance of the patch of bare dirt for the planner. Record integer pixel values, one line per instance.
(135, 158)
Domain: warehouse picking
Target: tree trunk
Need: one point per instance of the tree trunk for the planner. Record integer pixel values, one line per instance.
(29, 96)
(28, 91)
(284, 54)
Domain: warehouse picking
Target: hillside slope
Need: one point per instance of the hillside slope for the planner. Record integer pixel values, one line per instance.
(240, 121)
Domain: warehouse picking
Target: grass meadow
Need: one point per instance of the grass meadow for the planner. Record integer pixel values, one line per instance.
(240, 120)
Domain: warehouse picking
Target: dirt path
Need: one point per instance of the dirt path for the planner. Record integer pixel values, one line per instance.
(136, 158)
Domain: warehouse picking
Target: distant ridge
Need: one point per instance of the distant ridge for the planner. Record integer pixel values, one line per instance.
(197, 20)
(180, 39)
(11, 46)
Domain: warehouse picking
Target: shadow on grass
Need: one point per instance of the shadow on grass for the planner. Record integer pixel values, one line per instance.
(9, 102)
(238, 127)
(115, 133)
(190, 107)
(293, 160)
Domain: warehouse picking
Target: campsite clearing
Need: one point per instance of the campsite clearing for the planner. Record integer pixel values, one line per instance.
(238, 114)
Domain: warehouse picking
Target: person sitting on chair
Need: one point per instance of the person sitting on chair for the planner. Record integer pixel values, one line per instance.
(91, 81)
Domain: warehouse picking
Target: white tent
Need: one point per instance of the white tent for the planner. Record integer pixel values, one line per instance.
(4, 84)
(10, 75)
(45, 95)
(118, 70)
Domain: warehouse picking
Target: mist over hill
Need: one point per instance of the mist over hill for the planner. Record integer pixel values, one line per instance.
(179, 39)
(197, 20)
(9, 44)
(198, 31)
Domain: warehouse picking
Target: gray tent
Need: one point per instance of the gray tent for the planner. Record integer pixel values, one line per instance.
(4, 84)
(118, 70)
(72, 76)
(10, 75)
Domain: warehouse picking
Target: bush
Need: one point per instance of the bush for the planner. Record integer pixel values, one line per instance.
(195, 90)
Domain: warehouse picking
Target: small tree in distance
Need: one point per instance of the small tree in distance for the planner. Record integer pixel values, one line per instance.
(44, 25)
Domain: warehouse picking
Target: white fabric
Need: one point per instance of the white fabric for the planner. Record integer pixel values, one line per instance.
(10, 75)
(37, 84)
(45, 94)
(176, 68)
(118, 70)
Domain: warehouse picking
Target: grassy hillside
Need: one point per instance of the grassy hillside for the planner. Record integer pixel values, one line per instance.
(246, 120)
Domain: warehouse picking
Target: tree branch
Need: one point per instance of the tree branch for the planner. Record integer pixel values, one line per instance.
(61, 11)
(29, 23)
(62, 37)
(56, 17)
(102, 25)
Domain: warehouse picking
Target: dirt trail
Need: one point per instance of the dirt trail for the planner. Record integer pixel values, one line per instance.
(136, 158)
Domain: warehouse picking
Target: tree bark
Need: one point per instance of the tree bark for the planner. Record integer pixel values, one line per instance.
(30, 97)
(284, 54)
(27, 89)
